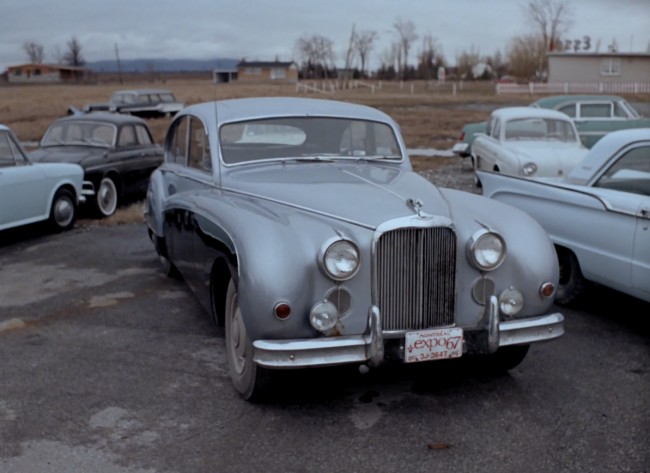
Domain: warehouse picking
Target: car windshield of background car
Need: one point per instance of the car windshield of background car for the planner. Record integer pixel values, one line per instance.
(307, 138)
(539, 129)
(82, 133)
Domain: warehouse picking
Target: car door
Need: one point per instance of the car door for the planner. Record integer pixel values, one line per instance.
(630, 174)
(135, 157)
(594, 119)
(641, 257)
(22, 186)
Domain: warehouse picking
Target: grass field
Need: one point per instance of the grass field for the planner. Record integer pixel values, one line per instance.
(430, 116)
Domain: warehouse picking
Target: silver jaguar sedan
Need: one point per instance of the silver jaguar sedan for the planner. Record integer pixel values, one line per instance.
(300, 226)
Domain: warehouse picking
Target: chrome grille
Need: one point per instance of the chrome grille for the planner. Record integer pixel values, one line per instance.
(415, 272)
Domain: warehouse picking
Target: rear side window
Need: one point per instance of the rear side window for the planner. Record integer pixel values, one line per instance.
(569, 110)
(177, 147)
(199, 156)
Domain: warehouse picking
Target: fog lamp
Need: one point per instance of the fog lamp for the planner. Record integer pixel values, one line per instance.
(323, 316)
(511, 301)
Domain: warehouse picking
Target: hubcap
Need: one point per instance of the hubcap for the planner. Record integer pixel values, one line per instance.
(107, 198)
(63, 212)
(238, 341)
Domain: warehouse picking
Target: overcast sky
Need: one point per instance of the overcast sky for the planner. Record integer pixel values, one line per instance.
(266, 29)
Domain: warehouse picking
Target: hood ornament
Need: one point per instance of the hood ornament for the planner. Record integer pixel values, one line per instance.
(415, 205)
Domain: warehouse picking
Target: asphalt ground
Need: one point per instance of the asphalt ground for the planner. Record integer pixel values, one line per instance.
(108, 366)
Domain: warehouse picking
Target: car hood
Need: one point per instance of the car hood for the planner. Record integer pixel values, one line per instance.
(67, 154)
(365, 194)
(554, 157)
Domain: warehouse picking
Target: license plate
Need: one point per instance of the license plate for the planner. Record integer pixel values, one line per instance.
(435, 344)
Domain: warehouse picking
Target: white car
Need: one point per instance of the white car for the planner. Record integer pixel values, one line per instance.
(598, 216)
(529, 142)
(34, 192)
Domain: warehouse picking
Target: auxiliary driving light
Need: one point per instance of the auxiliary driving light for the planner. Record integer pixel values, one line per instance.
(323, 316)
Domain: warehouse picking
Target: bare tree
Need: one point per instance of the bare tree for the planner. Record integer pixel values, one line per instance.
(552, 18)
(429, 58)
(73, 56)
(466, 61)
(316, 55)
(363, 44)
(34, 52)
(525, 55)
(407, 35)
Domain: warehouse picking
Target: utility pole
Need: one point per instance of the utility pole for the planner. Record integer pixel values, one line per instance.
(348, 58)
(119, 66)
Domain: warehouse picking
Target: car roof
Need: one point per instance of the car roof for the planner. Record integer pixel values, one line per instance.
(511, 113)
(143, 91)
(260, 107)
(108, 117)
(556, 100)
(604, 148)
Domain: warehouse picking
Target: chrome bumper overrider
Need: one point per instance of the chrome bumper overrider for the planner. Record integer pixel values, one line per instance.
(369, 348)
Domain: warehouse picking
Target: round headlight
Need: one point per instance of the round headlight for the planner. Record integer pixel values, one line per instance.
(529, 169)
(511, 301)
(341, 260)
(323, 316)
(487, 250)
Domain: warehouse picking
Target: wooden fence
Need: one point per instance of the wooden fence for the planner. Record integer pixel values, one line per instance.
(575, 88)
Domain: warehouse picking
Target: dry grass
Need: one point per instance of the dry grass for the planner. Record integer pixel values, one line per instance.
(430, 117)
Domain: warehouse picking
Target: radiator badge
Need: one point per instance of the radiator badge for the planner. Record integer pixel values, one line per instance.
(415, 205)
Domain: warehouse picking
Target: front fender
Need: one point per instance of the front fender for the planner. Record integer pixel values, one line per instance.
(277, 252)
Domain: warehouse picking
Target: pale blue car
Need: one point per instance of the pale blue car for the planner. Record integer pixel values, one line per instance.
(32, 192)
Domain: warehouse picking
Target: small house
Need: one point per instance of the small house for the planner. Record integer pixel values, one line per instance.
(27, 73)
(267, 71)
(598, 67)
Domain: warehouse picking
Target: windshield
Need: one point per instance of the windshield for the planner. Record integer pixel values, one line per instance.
(307, 138)
(84, 133)
(540, 129)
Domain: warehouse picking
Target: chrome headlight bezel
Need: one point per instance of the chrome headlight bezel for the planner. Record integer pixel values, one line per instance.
(339, 259)
(486, 250)
(529, 169)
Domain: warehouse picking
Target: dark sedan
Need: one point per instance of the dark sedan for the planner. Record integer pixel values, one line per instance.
(117, 153)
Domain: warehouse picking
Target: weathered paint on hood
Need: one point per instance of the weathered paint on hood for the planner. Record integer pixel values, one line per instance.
(366, 194)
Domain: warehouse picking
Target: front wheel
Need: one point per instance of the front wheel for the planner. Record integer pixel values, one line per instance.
(249, 380)
(106, 198)
(572, 284)
(63, 212)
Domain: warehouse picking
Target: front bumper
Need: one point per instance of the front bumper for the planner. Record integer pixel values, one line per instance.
(88, 189)
(369, 347)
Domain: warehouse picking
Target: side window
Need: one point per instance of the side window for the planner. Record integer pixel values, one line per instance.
(143, 135)
(630, 173)
(178, 144)
(6, 151)
(595, 110)
(496, 130)
(199, 156)
(569, 110)
(127, 136)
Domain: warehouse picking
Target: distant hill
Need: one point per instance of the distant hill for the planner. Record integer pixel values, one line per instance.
(162, 65)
